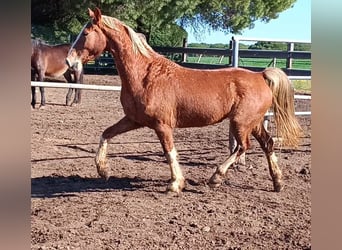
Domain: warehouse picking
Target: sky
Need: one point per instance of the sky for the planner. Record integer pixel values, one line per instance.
(292, 24)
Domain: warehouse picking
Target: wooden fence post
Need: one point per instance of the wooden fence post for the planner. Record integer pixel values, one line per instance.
(235, 52)
(290, 48)
(185, 45)
(230, 57)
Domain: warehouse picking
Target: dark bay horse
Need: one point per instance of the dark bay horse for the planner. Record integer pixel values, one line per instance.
(49, 60)
(162, 95)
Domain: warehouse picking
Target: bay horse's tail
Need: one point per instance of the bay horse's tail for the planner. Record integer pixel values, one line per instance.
(287, 126)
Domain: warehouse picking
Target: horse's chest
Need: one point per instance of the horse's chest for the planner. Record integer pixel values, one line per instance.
(132, 104)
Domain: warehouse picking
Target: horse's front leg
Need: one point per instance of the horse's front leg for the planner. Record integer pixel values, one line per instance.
(68, 97)
(124, 125)
(68, 77)
(165, 136)
(78, 78)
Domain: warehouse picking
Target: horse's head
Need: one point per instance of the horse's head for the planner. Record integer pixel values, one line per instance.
(90, 43)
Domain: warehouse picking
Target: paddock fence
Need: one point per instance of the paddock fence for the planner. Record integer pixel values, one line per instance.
(235, 57)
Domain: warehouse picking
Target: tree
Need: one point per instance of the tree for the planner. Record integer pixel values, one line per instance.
(268, 46)
(57, 20)
(279, 46)
(235, 15)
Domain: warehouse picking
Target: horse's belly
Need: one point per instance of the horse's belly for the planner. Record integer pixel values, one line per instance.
(55, 72)
(202, 114)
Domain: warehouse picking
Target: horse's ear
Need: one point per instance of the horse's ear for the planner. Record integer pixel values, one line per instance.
(97, 13)
(91, 13)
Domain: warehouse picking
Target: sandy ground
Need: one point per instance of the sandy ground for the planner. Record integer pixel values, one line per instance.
(72, 208)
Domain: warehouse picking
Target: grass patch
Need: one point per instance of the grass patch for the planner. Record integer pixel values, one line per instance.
(302, 86)
(252, 62)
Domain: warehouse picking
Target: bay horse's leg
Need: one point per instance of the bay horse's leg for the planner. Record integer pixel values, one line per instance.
(41, 76)
(33, 89)
(42, 97)
(67, 76)
(165, 135)
(34, 97)
(124, 125)
(267, 145)
(78, 92)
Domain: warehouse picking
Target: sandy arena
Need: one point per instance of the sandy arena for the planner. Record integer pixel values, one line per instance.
(72, 208)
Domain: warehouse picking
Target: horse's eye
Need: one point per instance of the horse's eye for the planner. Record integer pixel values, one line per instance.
(87, 31)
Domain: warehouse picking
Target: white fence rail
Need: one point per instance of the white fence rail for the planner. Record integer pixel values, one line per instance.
(118, 88)
(75, 86)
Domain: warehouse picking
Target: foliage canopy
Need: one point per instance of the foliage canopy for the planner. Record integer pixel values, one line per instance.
(54, 20)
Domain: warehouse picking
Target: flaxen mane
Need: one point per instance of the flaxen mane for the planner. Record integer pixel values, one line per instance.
(139, 44)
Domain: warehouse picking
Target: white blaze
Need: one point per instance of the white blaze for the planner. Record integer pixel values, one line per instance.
(78, 37)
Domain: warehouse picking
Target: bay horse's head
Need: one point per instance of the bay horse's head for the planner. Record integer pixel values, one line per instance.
(90, 43)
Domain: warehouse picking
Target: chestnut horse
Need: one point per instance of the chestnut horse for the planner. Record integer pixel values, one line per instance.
(162, 95)
(49, 60)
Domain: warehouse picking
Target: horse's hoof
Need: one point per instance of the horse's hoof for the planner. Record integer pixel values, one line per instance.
(278, 186)
(215, 181)
(104, 173)
(176, 186)
(102, 168)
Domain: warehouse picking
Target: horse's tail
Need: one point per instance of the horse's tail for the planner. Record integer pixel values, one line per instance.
(287, 126)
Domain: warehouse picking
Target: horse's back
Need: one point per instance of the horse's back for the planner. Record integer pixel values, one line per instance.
(51, 58)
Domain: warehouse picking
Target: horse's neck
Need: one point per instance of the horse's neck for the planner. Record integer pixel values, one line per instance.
(130, 66)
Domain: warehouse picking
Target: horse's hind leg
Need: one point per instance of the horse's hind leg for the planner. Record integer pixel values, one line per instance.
(33, 90)
(232, 145)
(124, 125)
(41, 76)
(242, 140)
(165, 136)
(267, 145)
(34, 97)
(217, 178)
(42, 97)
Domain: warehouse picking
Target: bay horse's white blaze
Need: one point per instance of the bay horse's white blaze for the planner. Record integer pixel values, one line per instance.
(162, 95)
